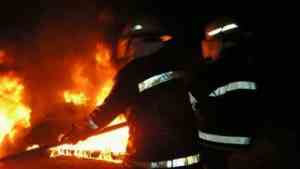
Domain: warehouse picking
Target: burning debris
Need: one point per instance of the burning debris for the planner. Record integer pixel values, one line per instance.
(67, 72)
(109, 146)
(79, 95)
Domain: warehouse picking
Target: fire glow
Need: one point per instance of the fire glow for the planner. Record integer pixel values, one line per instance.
(103, 59)
(2, 56)
(109, 146)
(76, 98)
(104, 92)
(103, 55)
(14, 115)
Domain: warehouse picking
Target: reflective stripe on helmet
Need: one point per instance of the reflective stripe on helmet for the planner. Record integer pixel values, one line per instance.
(245, 85)
(158, 79)
(224, 139)
(137, 27)
(222, 29)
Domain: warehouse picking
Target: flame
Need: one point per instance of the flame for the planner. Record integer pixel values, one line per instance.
(79, 77)
(76, 98)
(104, 91)
(83, 83)
(118, 120)
(110, 146)
(103, 58)
(14, 115)
(32, 147)
(103, 55)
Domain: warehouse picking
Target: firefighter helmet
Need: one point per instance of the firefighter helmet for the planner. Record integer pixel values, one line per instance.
(142, 37)
(222, 35)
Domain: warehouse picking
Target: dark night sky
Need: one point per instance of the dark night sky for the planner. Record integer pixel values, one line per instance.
(21, 16)
(19, 19)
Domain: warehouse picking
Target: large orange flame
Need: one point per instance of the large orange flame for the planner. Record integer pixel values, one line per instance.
(109, 146)
(14, 115)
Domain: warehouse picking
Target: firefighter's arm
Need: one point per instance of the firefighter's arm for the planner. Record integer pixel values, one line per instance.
(114, 104)
(91, 125)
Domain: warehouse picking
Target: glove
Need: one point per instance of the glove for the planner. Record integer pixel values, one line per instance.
(80, 131)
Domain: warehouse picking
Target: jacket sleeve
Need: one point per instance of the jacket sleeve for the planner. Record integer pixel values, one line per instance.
(116, 103)
(197, 83)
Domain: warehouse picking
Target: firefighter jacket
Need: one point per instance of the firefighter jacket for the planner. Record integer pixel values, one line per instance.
(228, 102)
(152, 91)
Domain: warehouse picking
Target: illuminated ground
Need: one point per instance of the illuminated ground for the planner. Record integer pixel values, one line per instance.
(40, 160)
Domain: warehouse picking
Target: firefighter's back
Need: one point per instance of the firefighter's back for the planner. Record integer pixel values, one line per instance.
(161, 119)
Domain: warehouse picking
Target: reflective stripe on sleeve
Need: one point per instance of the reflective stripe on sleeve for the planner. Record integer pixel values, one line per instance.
(224, 139)
(245, 85)
(158, 79)
(178, 162)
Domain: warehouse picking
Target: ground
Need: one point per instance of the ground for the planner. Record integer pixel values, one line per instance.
(40, 160)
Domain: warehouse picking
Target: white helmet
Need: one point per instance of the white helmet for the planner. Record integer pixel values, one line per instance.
(221, 35)
(142, 37)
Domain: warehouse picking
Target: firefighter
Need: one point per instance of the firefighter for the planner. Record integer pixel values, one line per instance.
(227, 92)
(235, 124)
(151, 89)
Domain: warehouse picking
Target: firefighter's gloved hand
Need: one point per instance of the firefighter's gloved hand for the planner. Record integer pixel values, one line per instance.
(86, 124)
(70, 137)
(79, 131)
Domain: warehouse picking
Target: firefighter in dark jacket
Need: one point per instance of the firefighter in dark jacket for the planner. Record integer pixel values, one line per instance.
(236, 125)
(151, 89)
(227, 92)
